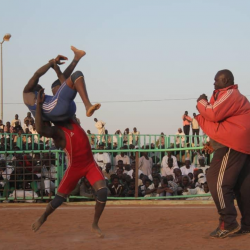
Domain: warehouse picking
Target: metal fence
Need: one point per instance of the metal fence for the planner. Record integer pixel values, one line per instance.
(34, 175)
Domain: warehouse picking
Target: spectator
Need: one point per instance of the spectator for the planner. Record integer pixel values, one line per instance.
(116, 189)
(185, 183)
(145, 186)
(19, 139)
(107, 171)
(202, 188)
(130, 192)
(164, 189)
(26, 125)
(17, 126)
(169, 168)
(136, 135)
(155, 173)
(120, 165)
(119, 173)
(13, 122)
(127, 137)
(28, 118)
(145, 164)
(91, 139)
(195, 129)
(202, 164)
(151, 191)
(186, 125)
(100, 125)
(1, 126)
(2, 144)
(49, 173)
(180, 135)
(130, 173)
(107, 138)
(102, 158)
(5, 173)
(188, 168)
(86, 189)
(7, 128)
(31, 123)
(123, 157)
(117, 138)
(127, 169)
(160, 143)
(164, 162)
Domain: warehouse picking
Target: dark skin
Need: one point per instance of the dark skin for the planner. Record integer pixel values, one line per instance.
(223, 79)
(33, 82)
(60, 142)
(187, 164)
(164, 188)
(170, 162)
(154, 190)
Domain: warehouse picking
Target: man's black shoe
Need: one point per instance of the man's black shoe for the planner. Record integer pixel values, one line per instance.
(242, 232)
(223, 233)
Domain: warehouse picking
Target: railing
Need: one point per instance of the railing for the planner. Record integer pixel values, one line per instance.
(116, 141)
(29, 180)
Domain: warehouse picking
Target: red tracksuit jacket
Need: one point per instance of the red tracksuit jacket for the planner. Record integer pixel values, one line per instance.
(226, 118)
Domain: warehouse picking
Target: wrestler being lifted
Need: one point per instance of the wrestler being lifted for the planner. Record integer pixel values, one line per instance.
(61, 105)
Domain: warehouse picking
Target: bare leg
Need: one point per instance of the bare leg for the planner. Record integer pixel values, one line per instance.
(36, 225)
(99, 207)
(80, 86)
(78, 55)
(51, 207)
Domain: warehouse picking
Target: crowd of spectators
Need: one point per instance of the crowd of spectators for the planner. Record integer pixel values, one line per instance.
(167, 173)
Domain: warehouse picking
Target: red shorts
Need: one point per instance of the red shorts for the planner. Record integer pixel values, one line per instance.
(74, 173)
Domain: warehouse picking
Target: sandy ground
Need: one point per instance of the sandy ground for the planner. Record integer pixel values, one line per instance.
(126, 227)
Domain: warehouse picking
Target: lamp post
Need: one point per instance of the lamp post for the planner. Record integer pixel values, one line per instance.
(5, 38)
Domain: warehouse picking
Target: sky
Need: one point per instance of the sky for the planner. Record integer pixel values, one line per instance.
(146, 61)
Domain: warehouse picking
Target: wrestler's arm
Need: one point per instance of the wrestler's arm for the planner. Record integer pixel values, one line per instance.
(35, 78)
(50, 132)
(60, 75)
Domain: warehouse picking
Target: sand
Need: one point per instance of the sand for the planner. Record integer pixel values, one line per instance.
(126, 227)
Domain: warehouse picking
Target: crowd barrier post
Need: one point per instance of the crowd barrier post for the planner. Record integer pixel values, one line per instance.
(136, 173)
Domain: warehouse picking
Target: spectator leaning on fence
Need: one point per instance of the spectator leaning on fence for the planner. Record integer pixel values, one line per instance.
(136, 137)
(186, 124)
(195, 130)
(100, 125)
(180, 138)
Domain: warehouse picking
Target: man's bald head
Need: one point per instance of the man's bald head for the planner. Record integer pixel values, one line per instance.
(223, 79)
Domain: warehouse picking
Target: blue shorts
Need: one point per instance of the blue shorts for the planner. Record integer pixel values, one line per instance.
(59, 107)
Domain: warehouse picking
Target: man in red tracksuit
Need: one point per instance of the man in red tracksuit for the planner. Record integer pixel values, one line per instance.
(226, 120)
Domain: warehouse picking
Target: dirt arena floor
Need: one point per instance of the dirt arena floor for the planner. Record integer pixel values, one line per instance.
(130, 227)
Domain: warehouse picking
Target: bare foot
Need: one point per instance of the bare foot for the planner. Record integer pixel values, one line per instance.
(38, 223)
(95, 229)
(92, 109)
(78, 53)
